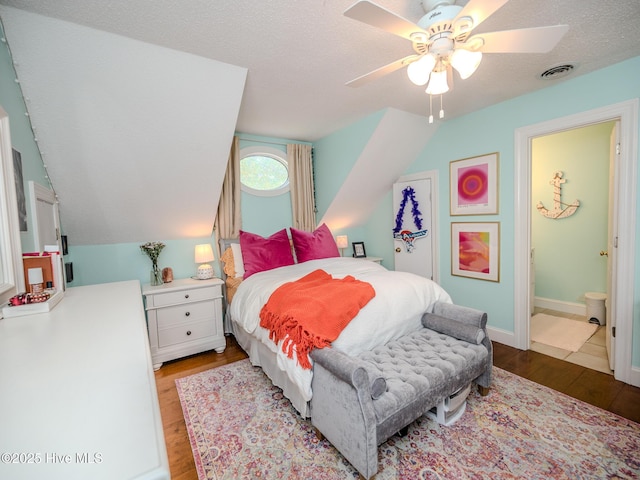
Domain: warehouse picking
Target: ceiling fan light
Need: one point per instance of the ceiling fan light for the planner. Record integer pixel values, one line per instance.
(419, 70)
(438, 83)
(465, 62)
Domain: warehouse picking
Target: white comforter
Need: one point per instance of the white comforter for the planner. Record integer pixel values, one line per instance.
(397, 308)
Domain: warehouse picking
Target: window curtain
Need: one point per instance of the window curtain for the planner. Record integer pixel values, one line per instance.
(228, 219)
(301, 186)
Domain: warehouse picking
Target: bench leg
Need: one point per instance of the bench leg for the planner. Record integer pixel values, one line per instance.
(319, 434)
(484, 391)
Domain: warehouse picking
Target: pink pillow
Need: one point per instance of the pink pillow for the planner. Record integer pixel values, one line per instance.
(311, 246)
(260, 254)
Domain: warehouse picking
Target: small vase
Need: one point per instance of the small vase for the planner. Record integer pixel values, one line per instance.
(156, 275)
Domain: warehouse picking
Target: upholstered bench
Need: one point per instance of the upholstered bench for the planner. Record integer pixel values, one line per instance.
(359, 402)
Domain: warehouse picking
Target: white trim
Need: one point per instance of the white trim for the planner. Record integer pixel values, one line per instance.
(435, 224)
(270, 152)
(627, 113)
(560, 306)
(501, 336)
(12, 279)
(634, 376)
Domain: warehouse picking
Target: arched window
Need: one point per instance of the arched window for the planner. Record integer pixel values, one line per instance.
(263, 171)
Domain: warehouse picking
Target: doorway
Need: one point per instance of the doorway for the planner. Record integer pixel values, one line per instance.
(569, 236)
(625, 175)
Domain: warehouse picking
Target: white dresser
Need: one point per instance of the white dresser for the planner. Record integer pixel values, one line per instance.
(184, 317)
(78, 396)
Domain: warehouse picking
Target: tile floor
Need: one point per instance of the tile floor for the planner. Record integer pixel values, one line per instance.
(593, 354)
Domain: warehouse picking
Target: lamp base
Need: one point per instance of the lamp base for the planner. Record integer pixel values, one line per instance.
(205, 271)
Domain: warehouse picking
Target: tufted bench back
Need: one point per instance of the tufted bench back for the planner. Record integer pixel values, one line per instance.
(420, 369)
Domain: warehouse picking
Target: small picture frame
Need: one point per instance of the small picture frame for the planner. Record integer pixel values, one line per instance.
(475, 250)
(474, 185)
(358, 249)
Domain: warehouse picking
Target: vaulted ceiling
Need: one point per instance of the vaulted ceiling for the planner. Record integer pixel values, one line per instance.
(136, 100)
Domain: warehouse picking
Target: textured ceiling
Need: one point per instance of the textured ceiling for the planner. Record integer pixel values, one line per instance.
(299, 54)
(137, 100)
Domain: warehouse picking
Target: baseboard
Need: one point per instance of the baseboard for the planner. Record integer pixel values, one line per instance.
(635, 376)
(501, 336)
(560, 306)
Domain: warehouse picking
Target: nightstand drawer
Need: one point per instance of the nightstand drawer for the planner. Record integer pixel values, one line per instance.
(187, 296)
(187, 313)
(185, 333)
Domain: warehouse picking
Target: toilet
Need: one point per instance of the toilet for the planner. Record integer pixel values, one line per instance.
(596, 310)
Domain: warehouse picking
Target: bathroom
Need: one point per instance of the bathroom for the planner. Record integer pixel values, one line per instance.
(569, 238)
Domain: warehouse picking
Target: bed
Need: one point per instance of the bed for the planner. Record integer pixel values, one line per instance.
(400, 300)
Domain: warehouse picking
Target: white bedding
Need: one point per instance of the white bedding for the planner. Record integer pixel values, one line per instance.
(397, 308)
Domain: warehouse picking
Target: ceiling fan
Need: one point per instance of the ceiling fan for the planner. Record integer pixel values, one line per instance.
(442, 42)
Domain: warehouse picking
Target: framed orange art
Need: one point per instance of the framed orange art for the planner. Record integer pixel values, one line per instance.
(475, 250)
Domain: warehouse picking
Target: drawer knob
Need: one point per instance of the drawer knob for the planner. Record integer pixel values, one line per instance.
(188, 332)
(186, 295)
(187, 314)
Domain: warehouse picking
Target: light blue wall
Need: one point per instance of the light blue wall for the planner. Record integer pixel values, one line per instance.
(335, 156)
(491, 130)
(567, 260)
(22, 137)
(94, 264)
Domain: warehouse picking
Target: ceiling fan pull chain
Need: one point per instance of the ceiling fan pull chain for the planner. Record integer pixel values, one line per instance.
(430, 108)
(441, 109)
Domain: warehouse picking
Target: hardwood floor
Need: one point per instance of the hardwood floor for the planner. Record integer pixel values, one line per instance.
(590, 386)
(175, 431)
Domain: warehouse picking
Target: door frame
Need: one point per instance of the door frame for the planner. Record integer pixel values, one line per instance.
(435, 226)
(626, 175)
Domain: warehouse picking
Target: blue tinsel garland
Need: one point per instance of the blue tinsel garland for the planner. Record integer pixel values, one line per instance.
(408, 194)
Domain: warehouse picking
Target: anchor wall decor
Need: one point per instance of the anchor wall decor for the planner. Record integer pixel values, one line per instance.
(560, 209)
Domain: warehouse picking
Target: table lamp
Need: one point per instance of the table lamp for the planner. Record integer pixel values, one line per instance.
(204, 254)
(342, 241)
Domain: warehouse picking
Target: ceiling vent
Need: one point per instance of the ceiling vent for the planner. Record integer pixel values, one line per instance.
(558, 71)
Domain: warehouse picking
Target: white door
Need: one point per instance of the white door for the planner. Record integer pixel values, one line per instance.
(612, 246)
(413, 225)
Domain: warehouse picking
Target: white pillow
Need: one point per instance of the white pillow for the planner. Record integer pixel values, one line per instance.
(238, 263)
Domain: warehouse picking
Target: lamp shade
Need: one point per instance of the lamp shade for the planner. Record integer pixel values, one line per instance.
(342, 241)
(438, 83)
(465, 62)
(204, 253)
(419, 70)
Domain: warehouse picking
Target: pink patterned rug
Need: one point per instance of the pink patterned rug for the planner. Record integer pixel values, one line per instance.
(240, 426)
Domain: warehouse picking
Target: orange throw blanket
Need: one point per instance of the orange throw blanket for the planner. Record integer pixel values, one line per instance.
(312, 311)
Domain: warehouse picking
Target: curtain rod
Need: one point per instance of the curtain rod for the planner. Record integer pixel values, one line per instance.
(264, 142)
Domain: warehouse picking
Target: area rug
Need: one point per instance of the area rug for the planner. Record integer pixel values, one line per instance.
(241, 427)
(560, 332)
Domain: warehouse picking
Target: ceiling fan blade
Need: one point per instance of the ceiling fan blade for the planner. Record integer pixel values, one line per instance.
(478, 11)
(372, 14)
(525, 40)
(382, 71)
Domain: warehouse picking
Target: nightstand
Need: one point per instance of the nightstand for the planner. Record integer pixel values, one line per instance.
(373, 259)
(184, 317)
